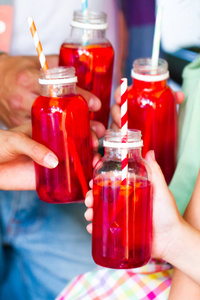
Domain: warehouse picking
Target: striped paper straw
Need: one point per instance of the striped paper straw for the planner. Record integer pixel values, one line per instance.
(37, 43)
(124, 128)
(72, 146)
(84, 7)
(85, 12)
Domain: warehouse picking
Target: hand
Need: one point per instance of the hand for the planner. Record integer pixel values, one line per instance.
(17, 153)
(97, 128)
(19, 87)
(116, 112)
(166, 218)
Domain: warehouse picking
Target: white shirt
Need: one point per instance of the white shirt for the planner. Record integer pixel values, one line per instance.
(180, 24)
(52, 19)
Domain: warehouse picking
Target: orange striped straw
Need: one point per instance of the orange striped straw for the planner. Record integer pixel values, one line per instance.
(71, 145)
(124, 128)
(37, 43)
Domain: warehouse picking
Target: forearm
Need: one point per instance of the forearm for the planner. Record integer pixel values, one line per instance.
(184, 252)
(186, 276)
(183, 287)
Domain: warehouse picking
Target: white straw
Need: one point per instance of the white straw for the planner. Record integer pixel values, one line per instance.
(157, 36)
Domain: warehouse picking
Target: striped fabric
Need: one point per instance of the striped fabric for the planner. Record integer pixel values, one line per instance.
(146, 283)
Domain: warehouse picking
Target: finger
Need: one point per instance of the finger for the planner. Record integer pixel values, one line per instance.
(99, 128)
(22, 144)
(89, 199)
(95, 141)
(180, 97)
(89, 228)
(52, 60)
(91, 184)
(117, 95)
(21, 102)
(25, 128)
(89, 214)
(93, 102)
(18, 174)
(96, 158)
(116, 114)
(158, 179)
(113, 125)
(28, 79)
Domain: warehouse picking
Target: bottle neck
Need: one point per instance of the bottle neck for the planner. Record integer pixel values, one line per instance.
(142, 84)
(116, 153)
(86, 35)
(58, 90)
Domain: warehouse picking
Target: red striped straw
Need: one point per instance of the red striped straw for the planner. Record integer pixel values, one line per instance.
(124, 128)
(37, 43)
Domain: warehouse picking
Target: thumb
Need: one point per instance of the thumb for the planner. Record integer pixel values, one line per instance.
(52, 60)
(93, 102)
(21, 144)
(158, 179)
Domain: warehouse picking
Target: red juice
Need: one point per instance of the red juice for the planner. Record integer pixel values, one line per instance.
(122, 223)
(152, 109)
(61, 124)
(94, 68)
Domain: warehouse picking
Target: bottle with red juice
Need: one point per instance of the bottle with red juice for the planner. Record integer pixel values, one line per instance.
(122, 221)
(92, 55)
(152, 109)
(60, 121)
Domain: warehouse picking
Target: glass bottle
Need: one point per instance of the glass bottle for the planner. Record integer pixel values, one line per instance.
(92, 55)
(60, 121)
(122, 222)
(152, 109)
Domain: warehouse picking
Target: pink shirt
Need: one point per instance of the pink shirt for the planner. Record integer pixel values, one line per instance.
(6, 20)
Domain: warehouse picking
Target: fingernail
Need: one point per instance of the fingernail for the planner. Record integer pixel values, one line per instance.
(90, 103)
(86, 214)
(153, 155)
(51, 160)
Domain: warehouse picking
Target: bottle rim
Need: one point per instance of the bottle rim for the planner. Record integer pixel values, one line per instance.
(144, 70)
(113, 139)
(89, 26)
(149, 78)
(58, 81)
(123, 145)
(90, 20)
(57, 75)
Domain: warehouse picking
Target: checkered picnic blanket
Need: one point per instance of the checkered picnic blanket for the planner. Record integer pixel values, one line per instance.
(148, 282)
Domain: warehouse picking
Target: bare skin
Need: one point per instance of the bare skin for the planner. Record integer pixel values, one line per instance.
(174, 240)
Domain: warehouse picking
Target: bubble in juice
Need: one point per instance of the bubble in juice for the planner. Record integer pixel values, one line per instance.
(122, 223)
(94, 69)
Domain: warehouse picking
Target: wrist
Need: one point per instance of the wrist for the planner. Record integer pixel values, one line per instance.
(175, 242)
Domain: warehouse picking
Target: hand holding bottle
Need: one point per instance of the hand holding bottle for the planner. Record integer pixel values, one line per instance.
(17, 153)
(174, 240)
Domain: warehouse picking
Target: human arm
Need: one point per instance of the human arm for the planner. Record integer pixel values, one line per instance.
(183, 287)
(18, 153)
(174, 240)
(19, 86)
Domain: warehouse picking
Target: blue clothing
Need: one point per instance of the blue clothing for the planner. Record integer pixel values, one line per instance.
(43, 246)
(140, 19)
